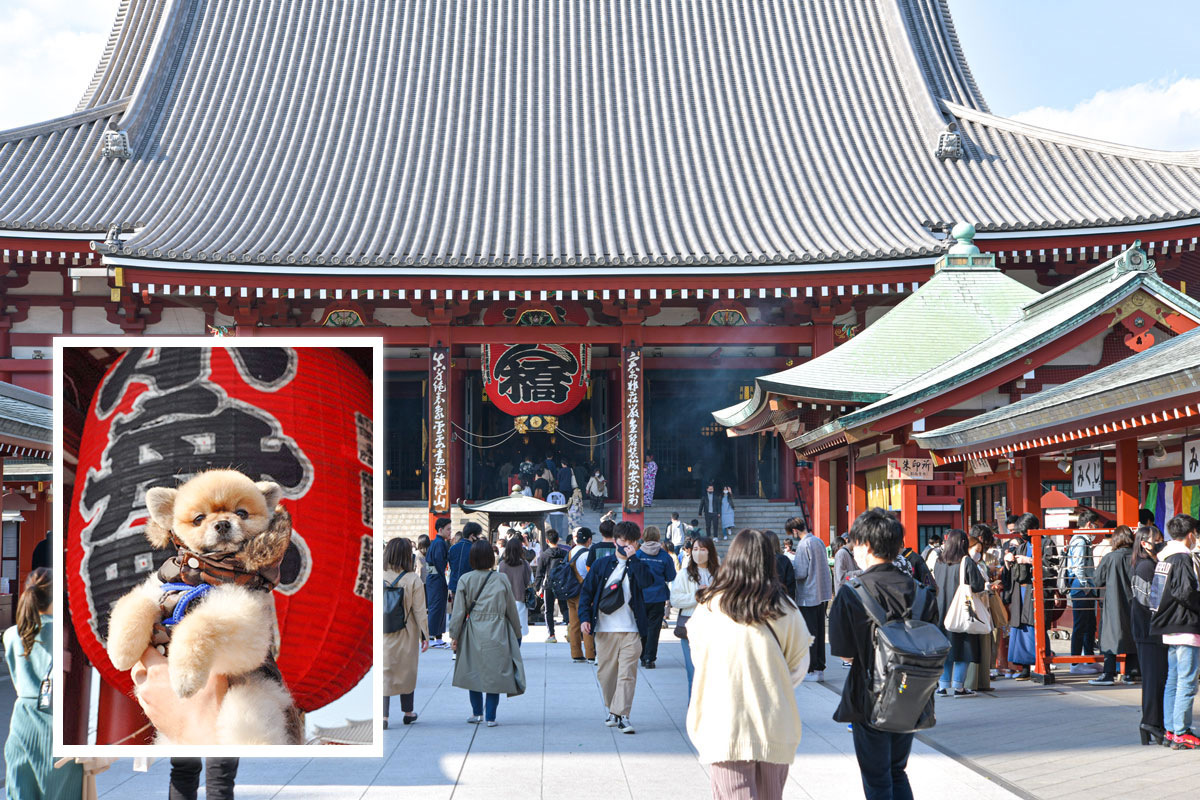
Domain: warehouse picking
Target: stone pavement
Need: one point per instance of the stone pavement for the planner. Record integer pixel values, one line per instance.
(551, 743)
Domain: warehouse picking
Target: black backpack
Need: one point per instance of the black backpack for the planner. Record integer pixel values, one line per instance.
(908, 661)
(563, 578)
(394, 618)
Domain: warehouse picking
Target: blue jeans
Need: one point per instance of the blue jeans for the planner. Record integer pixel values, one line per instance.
(954, 672)
(1183, 662)
(882, 760)
(688, 666)
(477, 705)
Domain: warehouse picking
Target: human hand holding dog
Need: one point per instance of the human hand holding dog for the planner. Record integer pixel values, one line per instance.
(190, 721)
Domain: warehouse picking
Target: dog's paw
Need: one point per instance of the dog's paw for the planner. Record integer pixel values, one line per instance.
(186, 680)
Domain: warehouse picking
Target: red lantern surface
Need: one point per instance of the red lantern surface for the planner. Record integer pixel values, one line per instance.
(300, 417)
(536, 378)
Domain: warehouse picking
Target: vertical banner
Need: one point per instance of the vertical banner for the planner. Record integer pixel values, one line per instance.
(439, 430)
(633, 433)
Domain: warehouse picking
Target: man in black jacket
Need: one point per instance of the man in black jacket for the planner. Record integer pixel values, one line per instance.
(1177, 620)
(877, 538)
(710, 507)
(605, 546)
(550, 557)
(619, 625)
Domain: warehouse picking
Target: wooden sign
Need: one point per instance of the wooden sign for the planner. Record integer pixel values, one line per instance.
(631, 408)
(439, 430)
(1087, 475)
(910, 469)
(1191, 462)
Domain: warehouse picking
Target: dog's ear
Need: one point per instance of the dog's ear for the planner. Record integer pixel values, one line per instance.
(273, 493)
(269, 546)
(160, 502)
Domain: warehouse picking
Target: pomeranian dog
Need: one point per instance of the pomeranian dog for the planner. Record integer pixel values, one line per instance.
(209, 608)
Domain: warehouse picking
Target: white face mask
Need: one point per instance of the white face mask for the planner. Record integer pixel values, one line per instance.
(977, 556)
(700, 556)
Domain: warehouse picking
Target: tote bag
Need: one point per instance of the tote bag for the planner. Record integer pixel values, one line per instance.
(966, 614)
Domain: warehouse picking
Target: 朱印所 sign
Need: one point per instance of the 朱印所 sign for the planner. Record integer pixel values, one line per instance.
(910, 469)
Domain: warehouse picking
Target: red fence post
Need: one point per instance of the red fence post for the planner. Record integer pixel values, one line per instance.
(1041, 670)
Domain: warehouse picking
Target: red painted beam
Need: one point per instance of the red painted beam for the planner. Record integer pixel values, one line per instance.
(647, 336)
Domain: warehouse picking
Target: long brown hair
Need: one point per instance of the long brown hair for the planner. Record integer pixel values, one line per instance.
(514, 553)
(748, 584)
(398, 555)
(693, 569)
(34, 601)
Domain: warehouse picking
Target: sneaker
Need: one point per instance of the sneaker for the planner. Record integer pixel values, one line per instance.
(1103, 680)
(551, 639)
(941, 693)
(995, 674)
(592, 661)
(611, 720)
(1185, 741)
(624, 725)
(964, 693)
(580, 660)
(474, 720)
(491, 723)
(1168, 739)
(847, 664)
(819, 676)
(1084, 669)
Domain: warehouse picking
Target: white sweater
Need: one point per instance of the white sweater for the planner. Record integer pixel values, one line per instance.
(683, 589)
(743, 707)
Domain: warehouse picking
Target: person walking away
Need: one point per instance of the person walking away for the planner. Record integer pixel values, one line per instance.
(662, 572)
(564, 478)
(710, 507)
(955, 566)
(220, 775)
(933, 549)
(727, 507)
(437, 559)
(606, 546)
(649, 476)
(485, 634)
(814, 588)
(558, 519)
(785, 573)
(1114, 580)
(696, 574)
(515, 568)
(402, 648)
(28, 761)
(422, 549)
(597, 490)
(612, 607)
(676, 531)
(1177, 620)
(459, 556)
(1151, 652)
(550, 558)
(583, 647)
(1081, 574)
(750, 647)
(877, 538)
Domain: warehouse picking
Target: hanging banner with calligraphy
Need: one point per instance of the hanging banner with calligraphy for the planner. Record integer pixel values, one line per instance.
(543, 379)
(439, 430)
(632, 432)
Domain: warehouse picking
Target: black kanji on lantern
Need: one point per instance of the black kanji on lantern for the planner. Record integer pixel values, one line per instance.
(526, 373)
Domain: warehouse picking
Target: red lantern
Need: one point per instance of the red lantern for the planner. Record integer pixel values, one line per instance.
(545, 379)
(300, 417)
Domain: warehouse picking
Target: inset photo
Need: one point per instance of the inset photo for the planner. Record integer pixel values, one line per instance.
(217, 505)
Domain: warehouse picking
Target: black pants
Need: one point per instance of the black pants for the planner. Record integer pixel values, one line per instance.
(1083, 626)
(654, 619)
(219, 776)
(562, 607)
(882, 759)
(814, 618)
(712, 525)
(1110, 665)
(406, 703)
(1152, 660)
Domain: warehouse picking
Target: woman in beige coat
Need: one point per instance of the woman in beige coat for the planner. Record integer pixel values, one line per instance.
(485, 633)
(401, 648)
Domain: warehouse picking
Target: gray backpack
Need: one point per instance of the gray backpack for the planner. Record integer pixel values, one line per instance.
(908, 661)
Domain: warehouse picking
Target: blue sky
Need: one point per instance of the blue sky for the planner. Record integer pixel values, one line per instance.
(1117, 70)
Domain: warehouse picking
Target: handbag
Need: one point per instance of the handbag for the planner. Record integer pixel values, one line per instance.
(681, 625)
(966, 614)
(612, 597)
(46, 693)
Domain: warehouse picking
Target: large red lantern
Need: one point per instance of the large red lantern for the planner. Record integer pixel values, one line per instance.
(300, 417)
(544, 379)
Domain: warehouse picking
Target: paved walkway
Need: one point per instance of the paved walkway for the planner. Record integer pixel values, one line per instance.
(552, 743)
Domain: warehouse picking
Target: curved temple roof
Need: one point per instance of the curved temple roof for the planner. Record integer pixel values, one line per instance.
(653, 135)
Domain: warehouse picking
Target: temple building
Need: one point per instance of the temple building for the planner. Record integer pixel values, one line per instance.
(580, 227)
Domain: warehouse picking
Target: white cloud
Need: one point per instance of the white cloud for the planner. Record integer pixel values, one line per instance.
(1161, 114)
(48, 52)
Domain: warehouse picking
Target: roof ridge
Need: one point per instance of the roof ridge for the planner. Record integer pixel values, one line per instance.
(1130, 260)
(72, 120)
(1185, 158)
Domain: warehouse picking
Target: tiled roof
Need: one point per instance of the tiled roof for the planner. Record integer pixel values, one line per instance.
(655, 136)
(25, 414)
(1165, 370)
(1045, 319)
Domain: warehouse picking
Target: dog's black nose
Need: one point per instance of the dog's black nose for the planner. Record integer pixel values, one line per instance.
(222, 526)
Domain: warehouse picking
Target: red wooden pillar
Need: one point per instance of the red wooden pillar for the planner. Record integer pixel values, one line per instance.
(821, 520)
(842, 497)
(858, 494)
(118, 716)
(633, 431)
(908, 512)
(1031, 486)
(1128, 500)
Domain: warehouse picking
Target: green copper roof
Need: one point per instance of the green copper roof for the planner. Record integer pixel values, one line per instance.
(1165, 370)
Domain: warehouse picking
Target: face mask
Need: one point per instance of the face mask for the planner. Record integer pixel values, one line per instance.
(701, 556)
(977, 556)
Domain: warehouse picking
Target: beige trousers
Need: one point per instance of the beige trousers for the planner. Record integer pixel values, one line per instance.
(579, 642)
(617, 657)
(748, 780)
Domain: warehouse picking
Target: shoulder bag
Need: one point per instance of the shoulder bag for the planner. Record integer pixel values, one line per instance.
(612, 597)
(966, 614)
